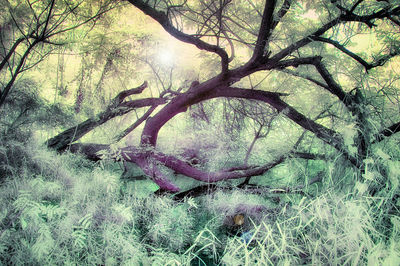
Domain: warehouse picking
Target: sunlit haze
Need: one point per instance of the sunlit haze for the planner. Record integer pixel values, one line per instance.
(166, 56)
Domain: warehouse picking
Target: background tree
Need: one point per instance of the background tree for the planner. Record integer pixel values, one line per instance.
(30, 30)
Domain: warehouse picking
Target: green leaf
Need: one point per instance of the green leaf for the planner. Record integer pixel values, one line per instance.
(153, 187)
(86, 221)
(24, 224)
(383, 155)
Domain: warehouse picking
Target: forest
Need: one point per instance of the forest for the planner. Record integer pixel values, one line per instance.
(208, 132)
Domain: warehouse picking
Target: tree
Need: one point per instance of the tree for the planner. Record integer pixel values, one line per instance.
(314, 42)
(31, 26)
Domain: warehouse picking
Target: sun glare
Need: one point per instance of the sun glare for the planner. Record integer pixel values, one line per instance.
(310, 14)
(166, 57)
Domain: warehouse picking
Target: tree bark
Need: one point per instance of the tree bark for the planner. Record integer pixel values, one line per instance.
(118, 107)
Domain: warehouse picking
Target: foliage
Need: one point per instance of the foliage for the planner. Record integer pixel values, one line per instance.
(59, 213)
(24, 109)
(330, 229)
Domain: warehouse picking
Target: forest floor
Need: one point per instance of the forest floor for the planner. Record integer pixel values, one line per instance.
(62, 209)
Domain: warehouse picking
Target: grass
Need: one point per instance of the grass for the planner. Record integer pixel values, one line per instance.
(61, 209)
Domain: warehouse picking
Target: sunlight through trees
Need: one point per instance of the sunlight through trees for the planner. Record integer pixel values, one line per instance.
(293, 102)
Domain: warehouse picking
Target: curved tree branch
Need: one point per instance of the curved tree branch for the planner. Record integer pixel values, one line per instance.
(327, 135)
(386, 12)
(138, 156)
(261, 190)
(123, 94)
(137, 123)
(11, 52)
(395, 21)
(117, 108)
(332, 86)
(366, 65)
(347, 16)
(300, 75)
(379, 62)
(387, 132)
(165, 22)
(304, 41)
(135, 155)
(4, 93)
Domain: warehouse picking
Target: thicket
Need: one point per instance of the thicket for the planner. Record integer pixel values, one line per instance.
(63, 209)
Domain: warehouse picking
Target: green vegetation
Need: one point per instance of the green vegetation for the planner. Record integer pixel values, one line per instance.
(171, 132)
(55, 213)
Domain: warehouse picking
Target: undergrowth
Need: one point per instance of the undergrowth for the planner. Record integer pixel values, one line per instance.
(61, 209)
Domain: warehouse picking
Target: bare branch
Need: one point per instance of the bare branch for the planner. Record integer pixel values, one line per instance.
(211, 177)
(395, 21)
(387, 132)
(49, 15)
(164, 21)
(262, 190)
(11, 52)
(327, 135)
(300, 75)
(347, 16)
(379, 62)
(385, 12)
(356, 5)
(123, 94)
(22, 60)
(135, 155)
(308, 156)
(61, 141)
(282, 12)
(334, 87)
(138, 122)
(344, 50)
(126, 107)
(295, 62)
(306, 40)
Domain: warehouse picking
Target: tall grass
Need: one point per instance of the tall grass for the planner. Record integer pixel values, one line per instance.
(61, 209)
(327, 230)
